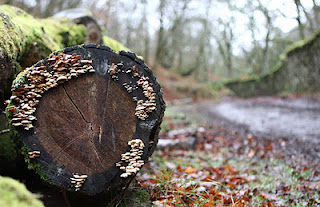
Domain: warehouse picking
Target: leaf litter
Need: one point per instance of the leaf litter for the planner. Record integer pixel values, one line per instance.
(220, 166)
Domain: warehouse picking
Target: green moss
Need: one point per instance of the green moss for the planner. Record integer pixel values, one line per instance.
(26, 36)
(113, 44)
(9, 113)
(31, 165)
(63, 32)
(15, 194)
(10, 41)
(302, 43)
(32, 31)
(20, 79)
(15, 141)
(76, 35)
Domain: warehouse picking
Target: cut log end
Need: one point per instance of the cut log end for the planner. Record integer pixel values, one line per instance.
(89, 117)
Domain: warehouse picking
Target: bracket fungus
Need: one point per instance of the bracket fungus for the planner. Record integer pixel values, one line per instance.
(131, 161)
(25, 97)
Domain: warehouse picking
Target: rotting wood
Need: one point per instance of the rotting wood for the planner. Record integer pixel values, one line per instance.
(76, 116)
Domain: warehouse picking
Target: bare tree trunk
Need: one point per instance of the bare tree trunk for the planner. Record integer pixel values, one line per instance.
(309, 18)
(298, 18)
(225, 47)
(176, 32)
(202, 42)
(316, 11)
(265, 52)
(160, 45)
(146, 31)
(229, 58)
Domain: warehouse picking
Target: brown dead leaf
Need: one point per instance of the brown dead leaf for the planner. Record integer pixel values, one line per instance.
(270, 148)
(251, 153)
(210, 202)
(190, 170)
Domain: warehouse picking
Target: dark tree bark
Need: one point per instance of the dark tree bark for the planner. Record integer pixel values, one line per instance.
(316, 12)
(264, 66)
(80, 137)
(160, 42)
(298, 18)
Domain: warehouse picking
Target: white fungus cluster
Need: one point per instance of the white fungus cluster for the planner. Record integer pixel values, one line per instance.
(131, 162)
(114, 69)
(25, 97)
(143, 106)
(33, 154)
(78, 180)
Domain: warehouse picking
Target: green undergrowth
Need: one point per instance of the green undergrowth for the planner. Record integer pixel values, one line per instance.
(31, 165)
(14, 148)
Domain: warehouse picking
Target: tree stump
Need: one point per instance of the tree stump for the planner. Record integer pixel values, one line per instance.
(88, 118)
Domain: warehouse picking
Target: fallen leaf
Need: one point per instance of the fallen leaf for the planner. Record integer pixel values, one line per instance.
(251, 153)
(190, 170)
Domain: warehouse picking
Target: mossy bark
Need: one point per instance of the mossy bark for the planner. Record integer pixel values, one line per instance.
(15, 194)
(297, 71)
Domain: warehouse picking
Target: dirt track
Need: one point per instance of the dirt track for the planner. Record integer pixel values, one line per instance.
(299, 118)
(296, 119)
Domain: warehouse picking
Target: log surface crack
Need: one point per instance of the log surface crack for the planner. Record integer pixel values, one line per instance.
(84, 118)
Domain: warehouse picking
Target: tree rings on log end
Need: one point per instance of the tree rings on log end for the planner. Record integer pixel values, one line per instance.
(88, 117)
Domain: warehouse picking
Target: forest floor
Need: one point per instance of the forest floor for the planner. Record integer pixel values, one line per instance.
(235, 152)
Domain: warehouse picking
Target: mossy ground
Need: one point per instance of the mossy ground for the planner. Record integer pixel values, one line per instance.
(15, 194)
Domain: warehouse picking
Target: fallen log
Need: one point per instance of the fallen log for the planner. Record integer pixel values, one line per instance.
(83, 17)
(87, 118)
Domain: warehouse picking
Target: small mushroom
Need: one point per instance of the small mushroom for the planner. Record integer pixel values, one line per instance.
(61, 79)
